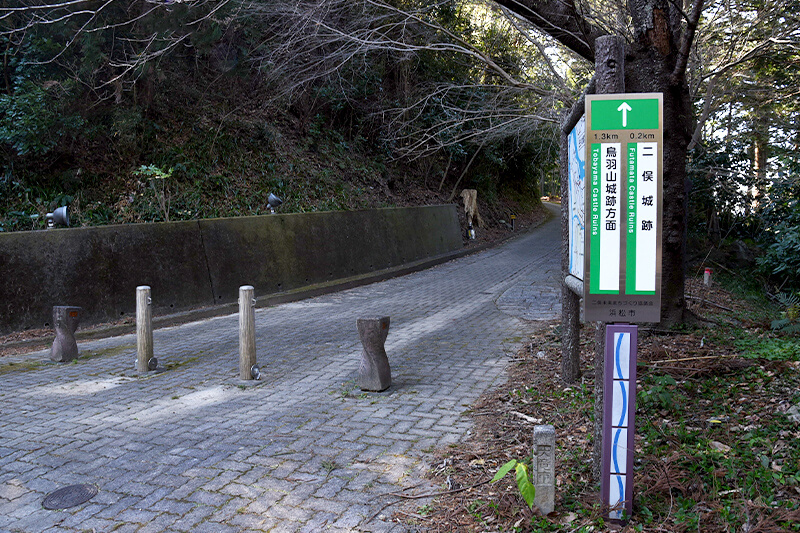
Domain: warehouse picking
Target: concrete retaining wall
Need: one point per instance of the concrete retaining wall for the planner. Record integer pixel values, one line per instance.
(203, 263)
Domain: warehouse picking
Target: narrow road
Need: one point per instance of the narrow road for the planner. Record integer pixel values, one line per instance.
(195, 449)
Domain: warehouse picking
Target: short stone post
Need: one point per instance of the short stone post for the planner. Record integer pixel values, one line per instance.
(247, 332)
(144, 328)
(544, 468)
(374, 374)
(65, 322)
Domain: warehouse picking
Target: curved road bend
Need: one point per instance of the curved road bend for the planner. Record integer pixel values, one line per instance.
(193, 449)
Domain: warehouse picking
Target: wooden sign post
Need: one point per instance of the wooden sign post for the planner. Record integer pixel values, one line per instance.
(622, 264)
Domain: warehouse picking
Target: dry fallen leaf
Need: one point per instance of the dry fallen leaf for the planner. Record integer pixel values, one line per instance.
(724, 448)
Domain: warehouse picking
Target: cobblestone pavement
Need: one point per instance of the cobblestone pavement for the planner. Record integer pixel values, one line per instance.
(192, 448)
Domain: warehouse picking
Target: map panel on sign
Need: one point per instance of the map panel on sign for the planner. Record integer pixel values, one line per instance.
(577, 191)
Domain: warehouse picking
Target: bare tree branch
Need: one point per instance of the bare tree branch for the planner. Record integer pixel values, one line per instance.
(686, 43)
(318, 40)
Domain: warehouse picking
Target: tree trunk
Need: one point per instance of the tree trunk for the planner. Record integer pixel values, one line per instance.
(760, 160)
(655, 62)
(648, 69)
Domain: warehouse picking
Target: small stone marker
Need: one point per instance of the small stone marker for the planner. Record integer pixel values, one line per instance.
(794, 414)
(374, 374)
(65, 322)
(544, 468)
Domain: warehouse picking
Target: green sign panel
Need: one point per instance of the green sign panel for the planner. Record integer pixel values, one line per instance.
(625, 114)
(622, 269)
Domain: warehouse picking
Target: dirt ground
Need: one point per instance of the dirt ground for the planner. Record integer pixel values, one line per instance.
(534, 394)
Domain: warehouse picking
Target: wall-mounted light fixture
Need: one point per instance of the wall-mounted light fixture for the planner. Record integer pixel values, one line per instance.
(273, 202)
(59, 217)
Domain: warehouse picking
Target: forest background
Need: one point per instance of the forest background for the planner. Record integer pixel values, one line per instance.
(159, 110)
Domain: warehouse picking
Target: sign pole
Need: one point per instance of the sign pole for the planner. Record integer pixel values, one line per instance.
(622, 272)
(619, 411)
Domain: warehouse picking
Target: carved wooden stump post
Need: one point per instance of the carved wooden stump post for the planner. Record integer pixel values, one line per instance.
(65, 322)
(374, 373)
(247, 332)
(144, 329)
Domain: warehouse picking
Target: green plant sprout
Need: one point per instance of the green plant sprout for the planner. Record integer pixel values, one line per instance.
(526, 488)
(788, 323)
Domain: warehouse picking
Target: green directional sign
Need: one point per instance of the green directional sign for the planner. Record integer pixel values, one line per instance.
(625, 114)
(622, 255)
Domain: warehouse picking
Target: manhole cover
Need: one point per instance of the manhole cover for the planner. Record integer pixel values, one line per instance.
(69, 496)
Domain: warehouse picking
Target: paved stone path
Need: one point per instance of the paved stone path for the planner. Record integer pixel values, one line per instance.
(195, 449)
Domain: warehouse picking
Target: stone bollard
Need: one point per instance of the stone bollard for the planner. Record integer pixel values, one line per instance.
(374, 374)
(144, 330)
(65, 322)
(247, 333)
(544, 468)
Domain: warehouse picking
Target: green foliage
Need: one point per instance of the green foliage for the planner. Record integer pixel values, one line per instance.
(33, 100)
(755, 344)
(781, 261)
(526, 488)
(751, 453)
(23, 207)
(31, 121)
(659, 391)
(790, 316)
(744, 172)
(154, 195)
(80, 110)
(716, 173)
(770, 349)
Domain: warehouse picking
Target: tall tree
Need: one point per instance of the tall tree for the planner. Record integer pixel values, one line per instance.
(741, 77)
(656, 59)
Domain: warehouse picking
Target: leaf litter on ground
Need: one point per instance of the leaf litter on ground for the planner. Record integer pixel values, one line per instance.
(717, 449)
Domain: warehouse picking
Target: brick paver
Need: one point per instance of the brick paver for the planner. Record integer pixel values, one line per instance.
(195, 449)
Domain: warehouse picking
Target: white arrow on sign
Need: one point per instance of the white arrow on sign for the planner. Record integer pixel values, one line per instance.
(624, 107)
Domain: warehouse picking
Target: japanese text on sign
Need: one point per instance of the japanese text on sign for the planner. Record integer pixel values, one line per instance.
(623, 202)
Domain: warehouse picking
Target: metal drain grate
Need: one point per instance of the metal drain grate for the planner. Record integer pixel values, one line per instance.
(71, 496)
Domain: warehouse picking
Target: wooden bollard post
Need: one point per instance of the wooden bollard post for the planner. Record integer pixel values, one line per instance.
(247, 332)
(144, 329)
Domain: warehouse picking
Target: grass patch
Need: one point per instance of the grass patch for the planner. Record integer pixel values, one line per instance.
(25, 366)
(106, 352)
(174, 365)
